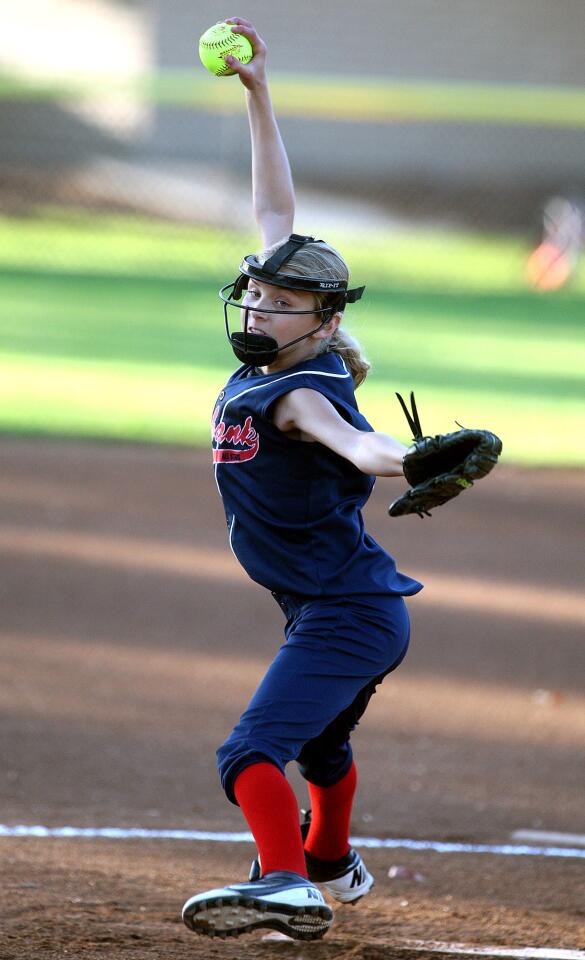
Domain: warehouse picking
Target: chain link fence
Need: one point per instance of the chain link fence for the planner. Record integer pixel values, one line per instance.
(154, 152)
(125, 202)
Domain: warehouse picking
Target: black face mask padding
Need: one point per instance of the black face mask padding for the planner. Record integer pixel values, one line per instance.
(240, 285)
(254, 349)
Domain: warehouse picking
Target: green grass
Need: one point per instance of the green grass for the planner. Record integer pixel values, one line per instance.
(329, 97)
(112, 328)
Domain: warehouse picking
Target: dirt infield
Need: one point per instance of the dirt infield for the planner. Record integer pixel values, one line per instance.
(130, 641)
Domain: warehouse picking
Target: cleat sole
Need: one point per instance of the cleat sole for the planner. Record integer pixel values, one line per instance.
(233, 916)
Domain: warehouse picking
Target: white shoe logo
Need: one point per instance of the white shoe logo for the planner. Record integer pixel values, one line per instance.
(359, 877)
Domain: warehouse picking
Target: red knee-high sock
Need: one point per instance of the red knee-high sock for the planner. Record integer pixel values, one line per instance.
(328, 837)
(270, 807)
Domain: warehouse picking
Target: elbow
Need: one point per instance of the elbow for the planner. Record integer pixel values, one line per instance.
(378, 464)
(272, 220)
(360, 459)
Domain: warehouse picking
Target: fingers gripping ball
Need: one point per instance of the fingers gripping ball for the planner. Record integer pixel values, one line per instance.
(220, 41)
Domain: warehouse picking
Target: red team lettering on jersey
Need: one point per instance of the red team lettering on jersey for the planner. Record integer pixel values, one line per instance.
(243, 435)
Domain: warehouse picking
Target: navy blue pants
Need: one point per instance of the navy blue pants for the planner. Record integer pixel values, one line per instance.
(336, 652)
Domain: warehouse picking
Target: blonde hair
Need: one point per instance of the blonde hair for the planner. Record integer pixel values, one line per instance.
(322, 260)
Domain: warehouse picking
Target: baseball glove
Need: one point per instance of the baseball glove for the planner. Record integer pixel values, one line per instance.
(439, 468)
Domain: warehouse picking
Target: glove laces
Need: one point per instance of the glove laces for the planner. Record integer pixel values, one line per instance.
(412, 418)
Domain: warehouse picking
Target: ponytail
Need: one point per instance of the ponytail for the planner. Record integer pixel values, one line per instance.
(349, 350)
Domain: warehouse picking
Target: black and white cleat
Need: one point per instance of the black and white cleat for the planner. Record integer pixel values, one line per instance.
(280, 901)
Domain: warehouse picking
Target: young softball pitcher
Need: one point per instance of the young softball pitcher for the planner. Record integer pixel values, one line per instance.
(295, 461)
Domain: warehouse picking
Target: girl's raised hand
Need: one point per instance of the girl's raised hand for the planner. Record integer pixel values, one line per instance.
(251, 74)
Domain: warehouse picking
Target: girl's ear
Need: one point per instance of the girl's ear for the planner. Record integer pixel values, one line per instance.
(330, 327)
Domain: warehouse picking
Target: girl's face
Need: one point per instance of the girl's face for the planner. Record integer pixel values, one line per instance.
(282, 326)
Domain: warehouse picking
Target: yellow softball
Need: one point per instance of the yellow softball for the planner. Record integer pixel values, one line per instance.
(219, 41)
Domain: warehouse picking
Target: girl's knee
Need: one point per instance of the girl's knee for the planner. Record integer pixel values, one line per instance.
(325, 767)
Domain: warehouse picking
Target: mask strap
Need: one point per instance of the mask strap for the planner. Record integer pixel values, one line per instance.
(284, 253)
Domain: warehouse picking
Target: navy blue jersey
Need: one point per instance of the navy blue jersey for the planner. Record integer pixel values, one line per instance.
(293, 508)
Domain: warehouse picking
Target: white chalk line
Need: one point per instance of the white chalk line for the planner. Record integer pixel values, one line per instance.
(526, 953)
(206, 836)
(469, 950)
(550, 836)
(430, 946)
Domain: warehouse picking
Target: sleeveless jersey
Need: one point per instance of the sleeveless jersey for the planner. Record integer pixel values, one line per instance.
(293, 508)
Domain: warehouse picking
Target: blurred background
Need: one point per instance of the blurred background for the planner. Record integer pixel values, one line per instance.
(440, 146)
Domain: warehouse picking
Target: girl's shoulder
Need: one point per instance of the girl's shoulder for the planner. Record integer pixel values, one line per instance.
(329, 366)
(331, 363)
(327, 374)
(330, 373)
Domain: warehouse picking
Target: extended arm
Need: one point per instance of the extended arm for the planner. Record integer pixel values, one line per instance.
(272, 186)
(316, 418)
